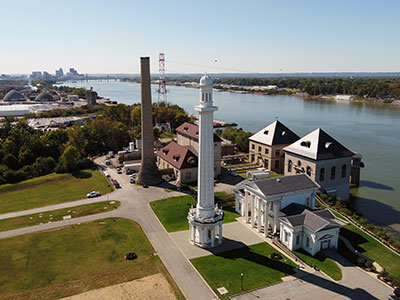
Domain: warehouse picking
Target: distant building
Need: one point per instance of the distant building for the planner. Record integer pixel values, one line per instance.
(36, 75)
(46, 75)
(91, 97)
(72, 98)
(265, 146)
(72, 72)
(44, 97)
(322, 158)
(14, 96)
(59, 73)
(344, 97)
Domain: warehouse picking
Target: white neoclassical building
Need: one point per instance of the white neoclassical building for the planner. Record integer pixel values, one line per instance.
(205, 221)
(270, 205)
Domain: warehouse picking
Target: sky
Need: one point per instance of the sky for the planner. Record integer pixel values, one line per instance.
(214, 36)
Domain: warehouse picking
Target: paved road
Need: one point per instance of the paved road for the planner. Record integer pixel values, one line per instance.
(355, 284)
(135, 206)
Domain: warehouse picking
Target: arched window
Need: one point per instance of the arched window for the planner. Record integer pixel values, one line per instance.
(322, 174)
(309, 171)
(343, 171)
(299, 163)
(308, 242)
(202, 97)
(290, 164)
(333, 172)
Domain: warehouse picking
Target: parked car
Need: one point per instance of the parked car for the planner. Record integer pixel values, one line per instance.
(108, 162)
(132, 180)
(119, 171)
(93, 194)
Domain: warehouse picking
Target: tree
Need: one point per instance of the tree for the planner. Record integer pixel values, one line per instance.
(77, 139)
(10, 161)
(69, 160)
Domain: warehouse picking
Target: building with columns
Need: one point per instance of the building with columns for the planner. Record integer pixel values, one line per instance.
(205, 220)
(284, 207)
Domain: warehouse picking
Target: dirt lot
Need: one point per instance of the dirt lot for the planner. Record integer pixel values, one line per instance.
(153, 287)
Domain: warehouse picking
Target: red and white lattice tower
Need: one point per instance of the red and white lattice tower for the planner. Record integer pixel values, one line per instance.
(162, 122)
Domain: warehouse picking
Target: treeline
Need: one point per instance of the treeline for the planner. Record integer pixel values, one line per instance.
(237, 136)
(27, 153)
(383, 88)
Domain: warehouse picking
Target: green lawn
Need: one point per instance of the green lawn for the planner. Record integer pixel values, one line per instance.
(74, 259)
(325, 264)
(57, 215)
(51, 189)
(224, 269)
(373, 249)
(172, 212)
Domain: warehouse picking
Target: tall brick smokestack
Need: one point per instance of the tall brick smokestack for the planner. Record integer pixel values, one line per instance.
(148, 173)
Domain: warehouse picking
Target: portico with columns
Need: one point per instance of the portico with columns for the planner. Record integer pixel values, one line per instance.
(263, 202)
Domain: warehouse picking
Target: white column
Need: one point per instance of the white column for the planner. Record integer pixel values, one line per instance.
(266, 219)
(194, 234)
(259, 215)
(252, 211)
(212, 236)
(202, 236)
(246, 207)
(276, 212)
(220, 233)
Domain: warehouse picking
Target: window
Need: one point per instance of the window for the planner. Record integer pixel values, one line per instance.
(297, 239)
(259, 149)
(322, 174)
(276, 164)
(285, 236)
(309, 171)
(344, 171)
(290, 165)
(202, 97)
(209, 234)
(277, 153)
(266, 151)
(253, 157)
(299, 163)
(308, 242)
(333, 172)
(253, 146)
(308, 202)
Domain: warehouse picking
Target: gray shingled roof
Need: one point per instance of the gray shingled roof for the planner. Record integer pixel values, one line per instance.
(285, 184)
(275, 134)
(314, 220)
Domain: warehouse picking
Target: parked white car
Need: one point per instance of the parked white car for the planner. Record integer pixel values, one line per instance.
(93, 194)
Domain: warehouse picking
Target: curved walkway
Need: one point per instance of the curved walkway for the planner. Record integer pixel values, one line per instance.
(135, 206)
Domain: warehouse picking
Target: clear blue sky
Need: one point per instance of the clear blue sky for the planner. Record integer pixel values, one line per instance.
(214, 36)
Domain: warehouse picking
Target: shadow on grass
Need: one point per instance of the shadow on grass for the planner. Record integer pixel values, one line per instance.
(81, 174)
(231, 249)
(355, 239)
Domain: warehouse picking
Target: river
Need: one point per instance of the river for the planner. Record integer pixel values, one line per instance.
(372, 130)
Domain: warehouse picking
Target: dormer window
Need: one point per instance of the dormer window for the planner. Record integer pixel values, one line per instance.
(306, 144)
(165, 151)
(185, 128)
(197, 133)
(176, 157)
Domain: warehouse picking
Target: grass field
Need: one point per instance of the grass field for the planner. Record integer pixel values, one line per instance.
(172, 212)
(74, 259)
(224, 269)
(325, 264)
(51, 189)
(57, 215)
(370, 247)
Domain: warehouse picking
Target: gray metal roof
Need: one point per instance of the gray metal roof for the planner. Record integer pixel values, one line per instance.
(313, 220)
(285, 184)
